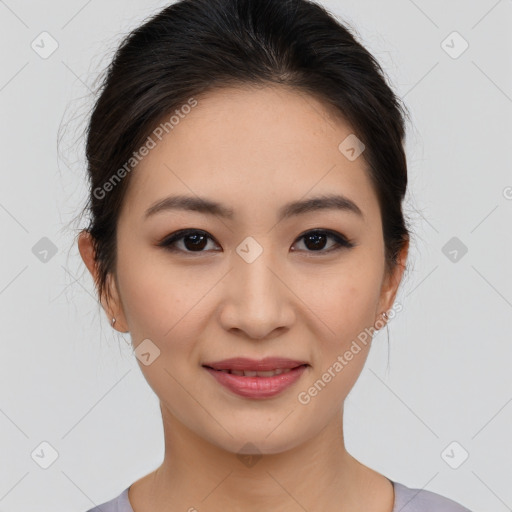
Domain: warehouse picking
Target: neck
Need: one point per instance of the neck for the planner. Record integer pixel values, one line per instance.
(317, 475)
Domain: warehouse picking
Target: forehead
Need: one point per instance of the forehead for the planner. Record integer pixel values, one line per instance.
(250, 146)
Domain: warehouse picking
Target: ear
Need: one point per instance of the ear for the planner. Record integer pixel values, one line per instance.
(110, 300)
(391, 282)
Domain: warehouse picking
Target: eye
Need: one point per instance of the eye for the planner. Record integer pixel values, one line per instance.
(195, 240)
(316, 240)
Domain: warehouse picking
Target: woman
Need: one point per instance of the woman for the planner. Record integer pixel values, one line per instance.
(247, 173)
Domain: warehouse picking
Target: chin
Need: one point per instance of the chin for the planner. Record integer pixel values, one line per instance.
(251, 441)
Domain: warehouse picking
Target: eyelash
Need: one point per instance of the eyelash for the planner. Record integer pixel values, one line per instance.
(343, 243)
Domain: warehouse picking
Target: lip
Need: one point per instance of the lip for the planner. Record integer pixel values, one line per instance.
(244, 363)
(256, 387)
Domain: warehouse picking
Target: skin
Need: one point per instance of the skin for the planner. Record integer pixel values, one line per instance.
(252, 149)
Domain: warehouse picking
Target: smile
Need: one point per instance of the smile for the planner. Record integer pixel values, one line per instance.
(256, 384)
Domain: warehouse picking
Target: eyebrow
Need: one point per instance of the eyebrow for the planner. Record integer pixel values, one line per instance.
(294, 208)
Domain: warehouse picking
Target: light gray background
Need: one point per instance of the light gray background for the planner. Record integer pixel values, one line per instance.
(68, 379)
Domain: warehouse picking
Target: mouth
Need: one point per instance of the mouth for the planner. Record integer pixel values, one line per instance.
(245, 364)
(256, 379)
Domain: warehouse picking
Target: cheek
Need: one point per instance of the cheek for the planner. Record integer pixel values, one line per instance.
(162, 306)
(346, 305)
(345, 299)
(156, 299)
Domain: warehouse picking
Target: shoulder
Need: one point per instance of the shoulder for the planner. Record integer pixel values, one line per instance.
(118, 504)
(421, 500)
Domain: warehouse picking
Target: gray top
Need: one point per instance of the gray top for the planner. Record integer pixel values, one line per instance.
(406, 500)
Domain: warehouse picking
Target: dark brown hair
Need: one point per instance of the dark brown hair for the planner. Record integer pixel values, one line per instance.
(193, 46)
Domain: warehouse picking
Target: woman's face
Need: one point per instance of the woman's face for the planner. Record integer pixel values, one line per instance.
(259, 284)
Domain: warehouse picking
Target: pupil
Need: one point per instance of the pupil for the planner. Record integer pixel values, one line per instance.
(315, 237)
(198, 241)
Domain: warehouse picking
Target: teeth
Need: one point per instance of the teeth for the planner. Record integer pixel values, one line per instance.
(251, 373)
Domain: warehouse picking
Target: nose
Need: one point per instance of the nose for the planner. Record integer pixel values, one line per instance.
(258, 303)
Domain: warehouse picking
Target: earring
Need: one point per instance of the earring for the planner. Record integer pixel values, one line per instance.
(113, 322)
(383, 315)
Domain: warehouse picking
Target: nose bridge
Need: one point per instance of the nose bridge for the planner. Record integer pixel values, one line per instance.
(257, 297)
(254, 274)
